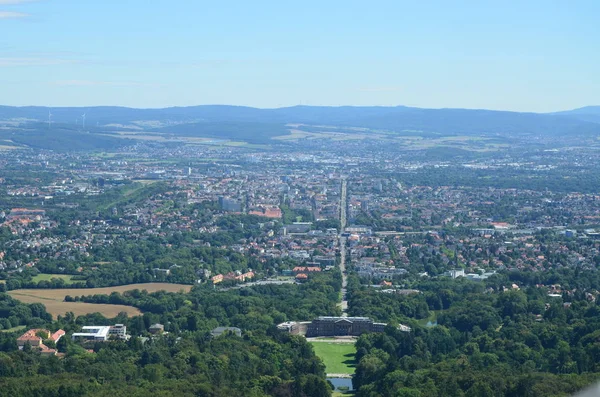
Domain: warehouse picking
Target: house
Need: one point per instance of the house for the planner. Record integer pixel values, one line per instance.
(289, 326)
(35, 338)
(217, 279)
(156, 329)
(301, 277)
(245, 276)
(306, 269)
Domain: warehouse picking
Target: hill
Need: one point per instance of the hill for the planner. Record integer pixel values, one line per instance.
(588, 113)
(27, 125)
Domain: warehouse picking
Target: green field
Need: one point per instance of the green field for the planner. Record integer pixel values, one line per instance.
(337, 357)
(342, 394)
(47, 277)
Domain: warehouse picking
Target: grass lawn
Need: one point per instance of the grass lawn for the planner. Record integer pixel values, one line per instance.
(337, 357)
(48, 277)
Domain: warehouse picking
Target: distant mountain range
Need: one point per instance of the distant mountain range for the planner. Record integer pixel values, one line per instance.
(260, 125)
(588, 113)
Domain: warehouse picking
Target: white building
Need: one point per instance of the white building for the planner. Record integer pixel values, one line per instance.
(92, 333)
(101, 333)
(118, 331)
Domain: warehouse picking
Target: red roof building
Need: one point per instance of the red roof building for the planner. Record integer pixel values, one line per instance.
(35, 338)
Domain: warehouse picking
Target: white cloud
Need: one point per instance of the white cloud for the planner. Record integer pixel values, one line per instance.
(12, 14)
(91, 83)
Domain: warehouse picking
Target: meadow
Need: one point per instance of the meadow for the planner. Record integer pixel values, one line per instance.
(53, 299)
(337, 357)
(47, 277)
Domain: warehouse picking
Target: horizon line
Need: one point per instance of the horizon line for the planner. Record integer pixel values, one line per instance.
(295, 106)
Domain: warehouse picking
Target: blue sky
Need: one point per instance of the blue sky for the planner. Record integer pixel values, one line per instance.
(511, 55)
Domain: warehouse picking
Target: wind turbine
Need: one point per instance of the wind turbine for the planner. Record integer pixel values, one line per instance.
(83, 119)
(49, 118)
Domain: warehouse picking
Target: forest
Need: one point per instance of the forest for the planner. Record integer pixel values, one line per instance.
(186, 360)
(487, 341)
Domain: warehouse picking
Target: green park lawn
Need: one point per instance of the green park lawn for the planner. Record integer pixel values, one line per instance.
(337, 357)
(48, 277)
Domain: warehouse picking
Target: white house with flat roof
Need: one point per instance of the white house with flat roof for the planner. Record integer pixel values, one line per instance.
(92, 333)
(101, 333)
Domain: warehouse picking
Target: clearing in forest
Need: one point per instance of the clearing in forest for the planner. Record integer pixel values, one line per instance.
(47, 277)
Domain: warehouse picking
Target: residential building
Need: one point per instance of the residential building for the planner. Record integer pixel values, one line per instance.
(36, 337)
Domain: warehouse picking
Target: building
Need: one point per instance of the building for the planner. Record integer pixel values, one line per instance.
(92, 333)
(118, 331)
(297, 228)
(359, 229)
(229, 205)
(307, 269)
(101, 333)
(456, 273)
(301, 277)
(17, 213)
(36, 337)
(156, 329)
(268, 212)
(364, 205)
(289, 326)
(380, 272)
(342, 326)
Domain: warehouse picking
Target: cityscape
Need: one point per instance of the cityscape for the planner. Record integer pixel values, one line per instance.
(299, 199)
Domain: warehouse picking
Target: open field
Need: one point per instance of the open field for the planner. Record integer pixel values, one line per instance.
(337, 357)
(47, 277)
(53, 299)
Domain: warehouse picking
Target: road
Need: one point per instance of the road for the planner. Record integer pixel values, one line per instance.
(342, 241)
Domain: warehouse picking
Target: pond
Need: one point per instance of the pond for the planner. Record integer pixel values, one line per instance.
(343, 382)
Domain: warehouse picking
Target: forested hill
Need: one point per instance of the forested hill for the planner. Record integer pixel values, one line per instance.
(238, 122)
(588, 113)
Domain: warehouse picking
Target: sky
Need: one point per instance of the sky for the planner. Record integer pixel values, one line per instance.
(532, 55)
